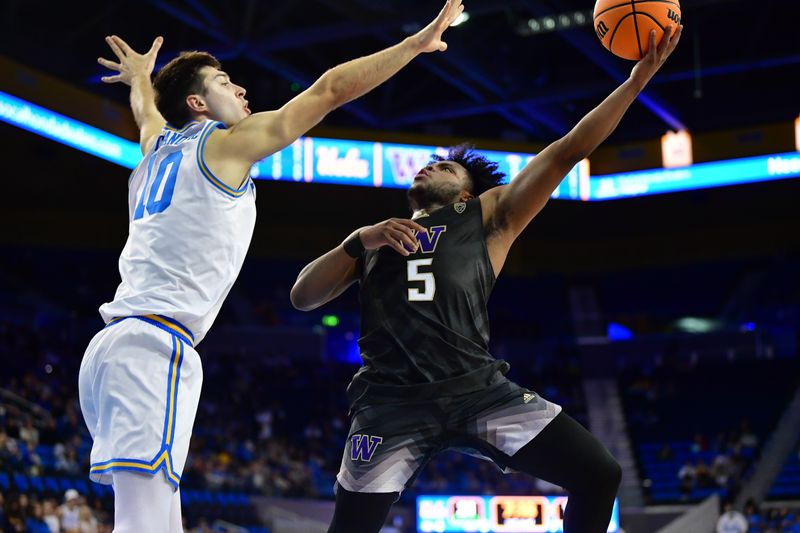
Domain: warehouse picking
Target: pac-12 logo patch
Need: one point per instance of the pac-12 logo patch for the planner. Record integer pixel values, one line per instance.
(363, 447)
(460, 207)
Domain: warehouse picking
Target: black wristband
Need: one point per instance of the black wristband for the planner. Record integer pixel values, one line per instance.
(353, 246)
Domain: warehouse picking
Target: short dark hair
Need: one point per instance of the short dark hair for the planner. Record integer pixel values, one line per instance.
(482, 172)
(178, 79)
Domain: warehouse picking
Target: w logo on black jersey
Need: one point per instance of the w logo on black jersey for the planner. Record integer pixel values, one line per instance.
(428, 240)
(363, 447)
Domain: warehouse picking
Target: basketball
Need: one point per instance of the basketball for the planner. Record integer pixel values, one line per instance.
(624, 27)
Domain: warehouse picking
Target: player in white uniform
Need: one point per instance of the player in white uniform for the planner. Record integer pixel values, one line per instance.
(192, 213)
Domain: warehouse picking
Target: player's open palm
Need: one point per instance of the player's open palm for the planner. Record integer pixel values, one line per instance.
(657, 54)
(130, 63)
(430, 37)
(397, 233)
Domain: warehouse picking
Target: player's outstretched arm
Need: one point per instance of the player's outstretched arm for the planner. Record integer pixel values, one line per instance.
(263, 134)
(513, 206)
(134, 70)
(328, 276)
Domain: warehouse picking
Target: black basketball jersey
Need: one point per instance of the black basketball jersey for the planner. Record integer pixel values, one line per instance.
(423, 317)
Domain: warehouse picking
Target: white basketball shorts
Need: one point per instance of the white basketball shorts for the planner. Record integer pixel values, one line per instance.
(139, 386)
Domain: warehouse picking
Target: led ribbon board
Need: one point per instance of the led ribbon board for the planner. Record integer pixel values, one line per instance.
(518, 514)
(697, 176)
(375, 164)
(68, 131)
(308, 159)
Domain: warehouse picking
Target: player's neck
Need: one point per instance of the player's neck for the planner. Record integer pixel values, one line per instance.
(425, 211)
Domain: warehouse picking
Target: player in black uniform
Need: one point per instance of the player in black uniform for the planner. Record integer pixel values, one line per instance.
(428, 381)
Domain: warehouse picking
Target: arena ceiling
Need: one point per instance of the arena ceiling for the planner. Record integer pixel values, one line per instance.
(737, 64)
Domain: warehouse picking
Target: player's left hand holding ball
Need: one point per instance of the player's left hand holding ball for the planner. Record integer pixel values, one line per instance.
(656, 55)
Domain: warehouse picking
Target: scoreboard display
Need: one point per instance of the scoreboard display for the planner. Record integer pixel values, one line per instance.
(518, 514)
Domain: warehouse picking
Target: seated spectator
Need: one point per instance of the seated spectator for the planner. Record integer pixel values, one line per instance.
(721, 469)
(31, 460)
(69, 512)
(15, 514)
(2, 510)
(772, 521)
(737, 465)
(795, 528)
(699, 443)
(702, 475)
(35, 522)
(87, 523)
(67, 460)
(753, 516)
(28, 433)
(686, 475)
(665, 454)
(50, 516)
(731, 521)
(747, 439)
(5, 445)
(787, 518)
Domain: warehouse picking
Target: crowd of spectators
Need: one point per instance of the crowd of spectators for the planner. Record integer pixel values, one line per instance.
(32, 514)
(265, 425)
(690, 439)
(757, 520)
(731, 452)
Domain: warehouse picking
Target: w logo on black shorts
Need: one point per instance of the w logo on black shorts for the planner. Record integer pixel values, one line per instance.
(363, 447)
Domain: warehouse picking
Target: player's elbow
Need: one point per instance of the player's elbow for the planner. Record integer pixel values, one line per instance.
(336, 88)
(572, 150)
(300, 298)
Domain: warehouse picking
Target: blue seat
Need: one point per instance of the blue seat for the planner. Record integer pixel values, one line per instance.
(21, 482)
(81, 486)
(101, 490)
(5, 483)
(47, 456)
(36, 483)
(51, 484)
(665, 495)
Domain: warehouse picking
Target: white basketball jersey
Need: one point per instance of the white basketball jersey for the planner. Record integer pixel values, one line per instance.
(188, 234)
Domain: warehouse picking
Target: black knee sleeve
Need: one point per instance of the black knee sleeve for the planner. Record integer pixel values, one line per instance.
(361, 512)
(566, 454)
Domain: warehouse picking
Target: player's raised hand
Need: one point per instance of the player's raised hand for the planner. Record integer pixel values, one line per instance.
(130, 63)
(656, 54)
(430, 37)
(397, 233)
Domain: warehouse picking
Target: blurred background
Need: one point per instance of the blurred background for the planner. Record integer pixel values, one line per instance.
(656, 297)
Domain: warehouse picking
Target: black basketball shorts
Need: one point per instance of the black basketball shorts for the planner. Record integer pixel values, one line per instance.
(391, 440)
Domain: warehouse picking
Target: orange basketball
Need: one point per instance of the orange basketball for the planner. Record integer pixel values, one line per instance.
(624, 27)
